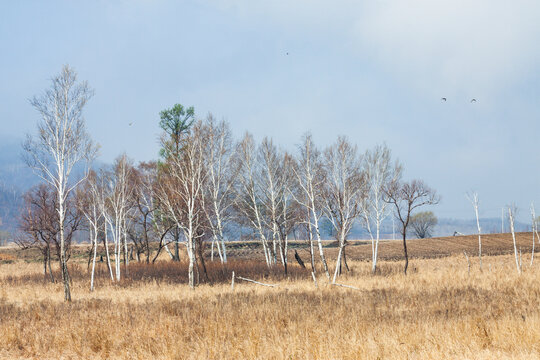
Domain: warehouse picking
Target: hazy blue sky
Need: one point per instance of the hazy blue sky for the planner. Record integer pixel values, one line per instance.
(372, 70)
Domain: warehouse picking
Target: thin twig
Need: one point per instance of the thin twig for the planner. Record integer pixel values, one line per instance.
(346, 286)
(256, 282)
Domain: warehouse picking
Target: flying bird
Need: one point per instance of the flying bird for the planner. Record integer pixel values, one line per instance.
(443, 99)
(130, 123)
(287, 53)
(473, 100)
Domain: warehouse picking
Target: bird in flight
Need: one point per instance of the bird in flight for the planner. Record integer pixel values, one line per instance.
(443, 99)
(473, 100)
(130, 123)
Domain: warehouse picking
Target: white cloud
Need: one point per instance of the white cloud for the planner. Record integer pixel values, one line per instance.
(458, 46)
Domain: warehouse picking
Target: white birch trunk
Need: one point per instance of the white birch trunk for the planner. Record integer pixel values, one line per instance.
(511, 218)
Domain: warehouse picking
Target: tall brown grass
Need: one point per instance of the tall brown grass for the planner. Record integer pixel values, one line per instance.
(438, 311)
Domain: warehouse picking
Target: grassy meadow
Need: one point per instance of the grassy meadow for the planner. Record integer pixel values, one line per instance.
(439, 310)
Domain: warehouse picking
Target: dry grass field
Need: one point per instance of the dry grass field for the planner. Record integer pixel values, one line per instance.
(438, 311)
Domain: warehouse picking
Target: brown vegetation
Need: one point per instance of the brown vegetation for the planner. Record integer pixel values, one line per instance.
(437, 311)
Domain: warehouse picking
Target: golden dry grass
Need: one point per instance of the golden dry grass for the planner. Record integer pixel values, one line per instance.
(438, 311)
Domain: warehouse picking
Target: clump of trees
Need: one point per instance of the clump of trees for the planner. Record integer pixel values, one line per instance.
(204, 184)
(423, 224)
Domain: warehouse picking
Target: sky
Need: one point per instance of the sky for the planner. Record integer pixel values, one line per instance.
(374, 71)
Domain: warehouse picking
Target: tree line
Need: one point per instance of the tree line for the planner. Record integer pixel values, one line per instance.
(204, 183)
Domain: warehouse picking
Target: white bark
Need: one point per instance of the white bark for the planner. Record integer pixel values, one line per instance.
(344, 191)
(473, 198)
(116, 207)
(379, 172)
(181, 192)
(61, 143)
(310, 177)
(219, 186)
(248, 199)
(511, 214)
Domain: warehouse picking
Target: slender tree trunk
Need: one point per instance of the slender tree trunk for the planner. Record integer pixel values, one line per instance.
(479, 236)
(345, 258)
(191, 255)
(49, 263)
(405, 252)
(63, 257)
(106, 241)
(94, 262)
(376, 250)
(45, 262)
(338, 265)
(176, 245)
(311, 248)
(124, 233)
(511, 216)
(319, 244)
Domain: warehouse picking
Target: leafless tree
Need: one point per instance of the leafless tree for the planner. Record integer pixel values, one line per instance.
(406, 197)
(141, 229)
(343, 192)
(181, 188)
(422, 224)
(511, 217)
(61, 143)
(379, 171)
(222, 172)
(473, 198)
(310, 178)
(91, 205)
(274, 183)
(118, 202)
(248, 200)
(39, 224)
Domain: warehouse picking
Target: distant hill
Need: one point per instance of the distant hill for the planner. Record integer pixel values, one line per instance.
(13, 171)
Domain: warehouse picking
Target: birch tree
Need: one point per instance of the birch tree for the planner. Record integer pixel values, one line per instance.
(511, 217)
(61, 143)
(406, 197)
(117, 205)
(248, 200)
(181, 190)
(92, 206)
(219, 159)
(473, 198)
(379, 171)
(175, 123)
(274, 184)
(343, 191)
(142, 230)
(310, 178)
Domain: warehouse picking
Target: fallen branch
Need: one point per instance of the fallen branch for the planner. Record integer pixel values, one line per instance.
(346, 286)
(256, 282)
